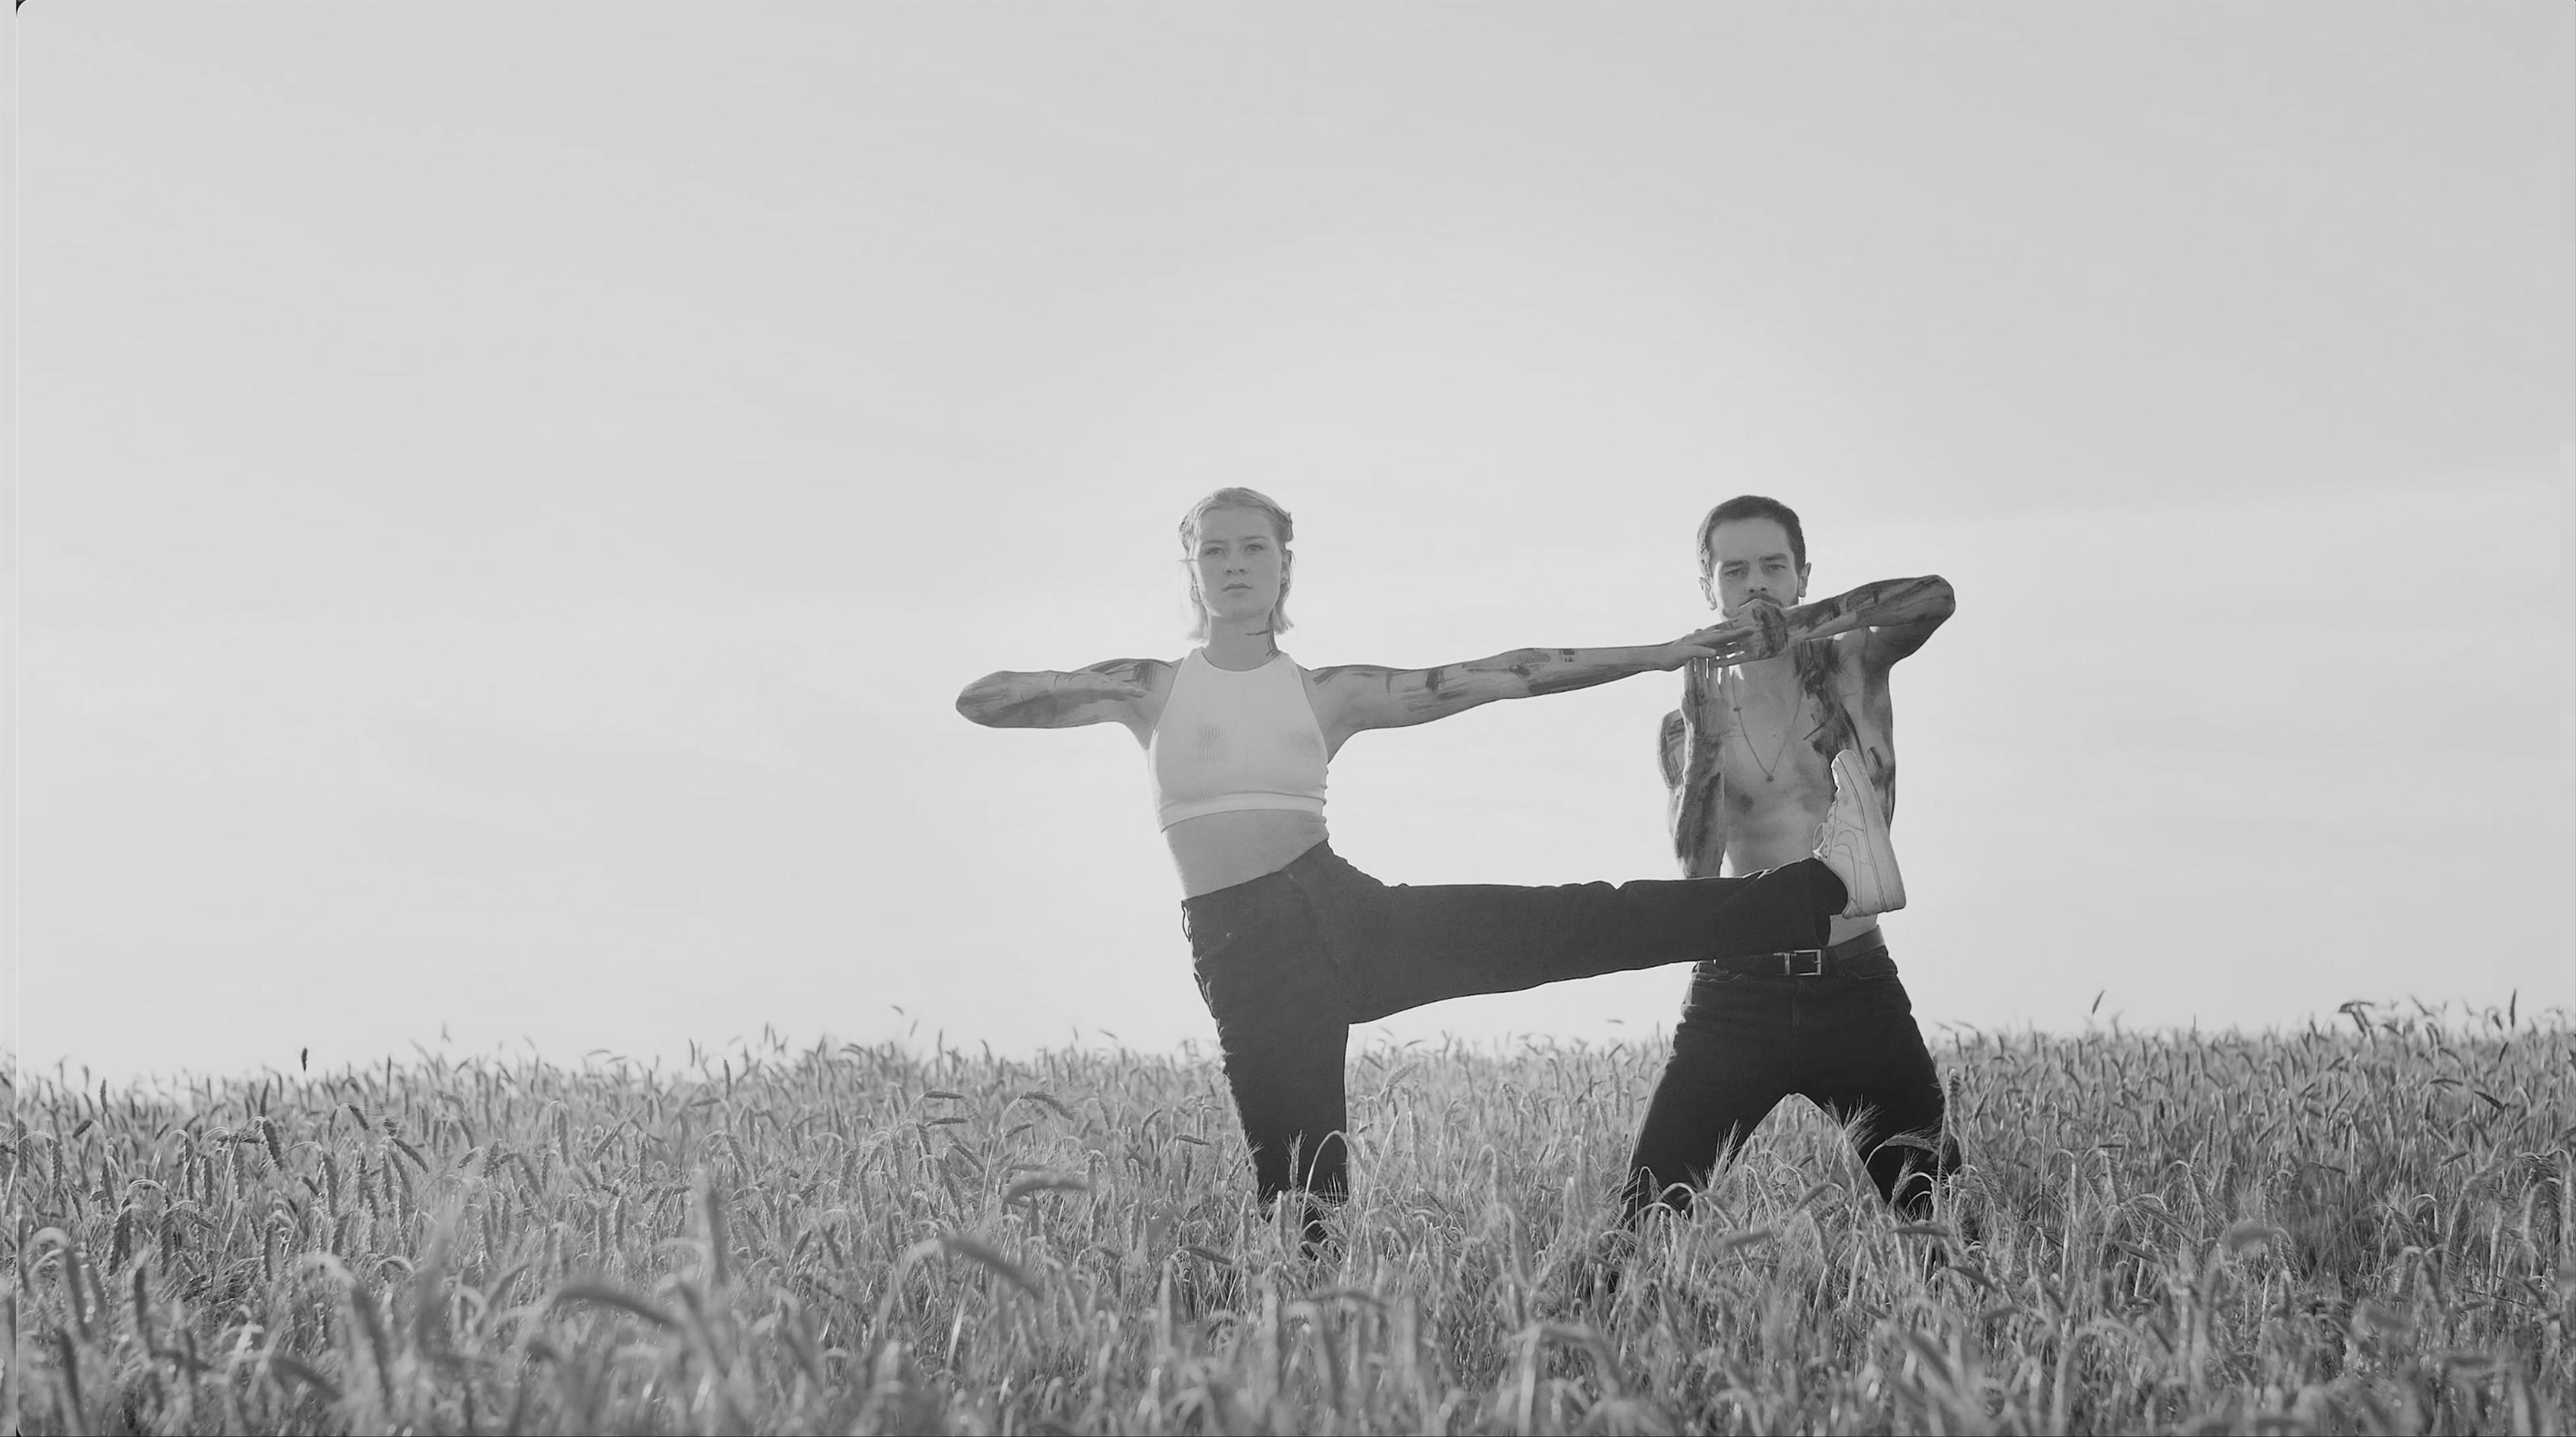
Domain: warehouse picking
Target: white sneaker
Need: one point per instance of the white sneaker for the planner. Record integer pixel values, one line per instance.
(1855, 844)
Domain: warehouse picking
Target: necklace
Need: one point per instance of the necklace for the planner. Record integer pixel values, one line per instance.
(1789, 727)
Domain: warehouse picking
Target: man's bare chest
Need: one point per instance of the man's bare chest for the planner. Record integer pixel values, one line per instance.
(1764, 753)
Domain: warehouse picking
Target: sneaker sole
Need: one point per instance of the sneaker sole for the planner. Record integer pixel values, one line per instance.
(1877, 886)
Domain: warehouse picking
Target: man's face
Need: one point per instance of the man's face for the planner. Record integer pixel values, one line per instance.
(1752, 561)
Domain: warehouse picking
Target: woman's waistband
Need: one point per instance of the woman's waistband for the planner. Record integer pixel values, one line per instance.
(1318, 856)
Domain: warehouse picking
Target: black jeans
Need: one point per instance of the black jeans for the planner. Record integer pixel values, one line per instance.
(1290, 960)
(1847, 1043)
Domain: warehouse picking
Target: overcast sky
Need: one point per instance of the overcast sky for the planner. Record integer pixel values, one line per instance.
(507, 496)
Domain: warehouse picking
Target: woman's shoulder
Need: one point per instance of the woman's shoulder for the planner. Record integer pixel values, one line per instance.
(1154, 676)
(1137, 670)
(1331, 672)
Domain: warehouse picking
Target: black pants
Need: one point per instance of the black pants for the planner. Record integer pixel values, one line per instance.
(1290, 960)
(1847, 1043)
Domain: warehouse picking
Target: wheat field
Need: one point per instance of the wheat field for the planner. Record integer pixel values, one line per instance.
(2357, 1227)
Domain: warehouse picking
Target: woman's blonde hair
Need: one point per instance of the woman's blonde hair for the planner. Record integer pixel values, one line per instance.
(1236, 497)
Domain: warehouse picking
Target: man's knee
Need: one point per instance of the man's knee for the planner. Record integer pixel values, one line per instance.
(1908, 1167)
(1647, 1190)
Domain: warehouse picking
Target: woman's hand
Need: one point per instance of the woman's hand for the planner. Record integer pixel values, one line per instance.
(1759, 630)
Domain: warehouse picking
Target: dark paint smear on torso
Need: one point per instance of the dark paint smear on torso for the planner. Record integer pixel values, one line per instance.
(1820, 668)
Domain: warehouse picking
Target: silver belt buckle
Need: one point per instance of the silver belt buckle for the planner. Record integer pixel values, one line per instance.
(1803, 963)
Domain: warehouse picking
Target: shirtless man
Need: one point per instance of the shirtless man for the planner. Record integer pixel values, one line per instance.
(1748, 759)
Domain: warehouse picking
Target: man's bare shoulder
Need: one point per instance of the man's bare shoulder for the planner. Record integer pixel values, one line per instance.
(1848, 656)
(1845, 664)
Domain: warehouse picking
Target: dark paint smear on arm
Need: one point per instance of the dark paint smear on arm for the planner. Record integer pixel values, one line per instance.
(1560, 683)
(1540, 672)
(1818, 664)
(1054, 705)
(1033, 711)
(1835, 730)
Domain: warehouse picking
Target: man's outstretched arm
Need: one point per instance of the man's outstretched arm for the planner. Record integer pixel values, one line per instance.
(1900, 615)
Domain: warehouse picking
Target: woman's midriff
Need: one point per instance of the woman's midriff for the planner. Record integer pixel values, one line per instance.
(1220, 850)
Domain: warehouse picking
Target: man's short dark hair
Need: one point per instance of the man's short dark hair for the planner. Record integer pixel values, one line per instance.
(1751, 506)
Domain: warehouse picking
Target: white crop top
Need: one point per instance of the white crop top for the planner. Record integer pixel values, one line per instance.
(1234, 739)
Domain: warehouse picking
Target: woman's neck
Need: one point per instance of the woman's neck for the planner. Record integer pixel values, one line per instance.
(1240, 646)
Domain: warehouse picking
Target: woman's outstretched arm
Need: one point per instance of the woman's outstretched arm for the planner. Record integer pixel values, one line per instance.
(1115, 691)
(1365, 696)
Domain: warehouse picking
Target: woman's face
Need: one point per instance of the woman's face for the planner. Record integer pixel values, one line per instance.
(1239, 565)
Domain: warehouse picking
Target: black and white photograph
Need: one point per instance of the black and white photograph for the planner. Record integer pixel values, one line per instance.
(1183, 716)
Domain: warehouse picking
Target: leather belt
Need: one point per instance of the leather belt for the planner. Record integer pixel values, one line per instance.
(1846, 958)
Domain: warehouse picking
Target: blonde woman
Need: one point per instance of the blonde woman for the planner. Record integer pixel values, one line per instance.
(1292, 945)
